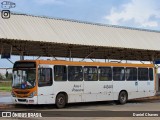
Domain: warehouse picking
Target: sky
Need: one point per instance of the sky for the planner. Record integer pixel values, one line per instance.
(143, 14)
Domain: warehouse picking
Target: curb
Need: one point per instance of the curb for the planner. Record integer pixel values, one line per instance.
(157, 97)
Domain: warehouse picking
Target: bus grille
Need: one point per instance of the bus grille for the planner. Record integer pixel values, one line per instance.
(22, 100)
(22, 92)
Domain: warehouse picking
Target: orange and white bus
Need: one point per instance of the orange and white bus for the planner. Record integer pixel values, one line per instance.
(62, 82)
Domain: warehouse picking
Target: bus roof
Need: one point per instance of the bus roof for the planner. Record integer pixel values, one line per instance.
(45, 36)
(76, 63)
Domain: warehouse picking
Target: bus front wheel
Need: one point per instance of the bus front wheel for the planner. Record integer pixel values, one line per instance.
(123, 97)
(60, 100)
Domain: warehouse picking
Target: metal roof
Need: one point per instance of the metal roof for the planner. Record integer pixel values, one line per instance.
(58, 37)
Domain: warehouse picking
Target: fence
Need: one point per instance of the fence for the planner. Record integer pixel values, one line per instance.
(5, 79)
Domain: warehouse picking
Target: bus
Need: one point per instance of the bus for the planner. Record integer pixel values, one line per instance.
(60, 82)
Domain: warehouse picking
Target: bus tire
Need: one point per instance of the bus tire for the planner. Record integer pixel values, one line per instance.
(123, 97)
(61, 100)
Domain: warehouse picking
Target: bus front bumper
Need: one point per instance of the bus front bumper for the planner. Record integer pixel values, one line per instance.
(32, 100)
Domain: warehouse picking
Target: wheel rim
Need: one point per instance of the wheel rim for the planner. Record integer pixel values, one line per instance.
(123, 97)
(60, 100)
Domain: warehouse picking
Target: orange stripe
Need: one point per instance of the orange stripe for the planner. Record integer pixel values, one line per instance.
(60, 62)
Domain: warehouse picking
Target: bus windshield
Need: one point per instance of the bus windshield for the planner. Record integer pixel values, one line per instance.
(23, 77)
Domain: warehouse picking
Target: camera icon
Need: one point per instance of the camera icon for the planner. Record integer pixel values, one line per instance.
(5, 14)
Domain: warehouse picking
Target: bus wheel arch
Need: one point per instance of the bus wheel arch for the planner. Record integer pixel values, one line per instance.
(122, 97)
(61, 99)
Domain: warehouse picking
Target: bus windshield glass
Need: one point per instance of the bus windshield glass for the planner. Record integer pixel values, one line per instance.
(24, 75)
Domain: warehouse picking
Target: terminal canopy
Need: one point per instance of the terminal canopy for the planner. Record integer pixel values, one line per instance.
(42, 36)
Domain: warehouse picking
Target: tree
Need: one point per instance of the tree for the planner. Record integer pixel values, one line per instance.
(9, 76)
(1, 77)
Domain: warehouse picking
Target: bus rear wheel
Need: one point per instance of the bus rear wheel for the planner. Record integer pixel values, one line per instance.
(61, 100)
(123, 97)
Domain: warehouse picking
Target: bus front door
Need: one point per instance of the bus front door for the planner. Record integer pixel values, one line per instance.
(45, 86)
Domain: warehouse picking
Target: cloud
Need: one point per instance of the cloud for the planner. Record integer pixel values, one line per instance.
(150, 24)
(142, 12)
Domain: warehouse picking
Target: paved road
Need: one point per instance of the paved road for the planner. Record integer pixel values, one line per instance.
(5, 98)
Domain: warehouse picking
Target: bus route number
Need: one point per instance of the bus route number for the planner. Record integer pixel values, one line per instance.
(108, 86)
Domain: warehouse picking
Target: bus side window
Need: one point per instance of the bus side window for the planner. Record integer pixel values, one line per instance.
(150, 73)
(90, 73)
(75, 73)
(143, 74)
(118, 73)
(44, 77)
(105, 73)
(131, 74)
(60, 73)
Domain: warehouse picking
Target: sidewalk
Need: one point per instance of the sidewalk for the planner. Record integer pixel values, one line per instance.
(5, 100)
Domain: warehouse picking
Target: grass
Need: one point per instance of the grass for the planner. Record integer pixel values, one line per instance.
(5, 89)
(5, 86)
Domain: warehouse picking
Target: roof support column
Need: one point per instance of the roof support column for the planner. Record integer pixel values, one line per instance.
(70, 54)
(153, 59)
(21, 56)
(106, 60)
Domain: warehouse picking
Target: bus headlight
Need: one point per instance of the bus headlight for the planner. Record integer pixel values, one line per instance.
(32, 94)
(13, 95)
